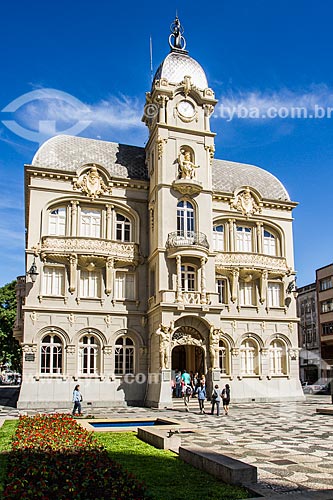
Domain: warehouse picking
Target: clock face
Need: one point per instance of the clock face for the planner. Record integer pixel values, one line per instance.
(186, 109)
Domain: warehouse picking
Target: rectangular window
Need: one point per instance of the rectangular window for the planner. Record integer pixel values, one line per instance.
(246, 293)
(125, 286)
(54, 281)
(243, 239)
(327, 306)
(274, 295)
(327, 328)
(57, 222)
(90, 226)
(90, 284)
(221, 288)
(326, 283)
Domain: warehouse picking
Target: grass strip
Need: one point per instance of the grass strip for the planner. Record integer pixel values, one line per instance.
(163, 473)
(6, 433)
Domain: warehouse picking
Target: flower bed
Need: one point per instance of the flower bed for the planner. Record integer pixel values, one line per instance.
(54, 458)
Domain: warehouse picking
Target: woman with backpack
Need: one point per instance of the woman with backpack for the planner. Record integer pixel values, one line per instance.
(226, 398)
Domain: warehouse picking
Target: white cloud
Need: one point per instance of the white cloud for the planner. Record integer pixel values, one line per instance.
(288, 103)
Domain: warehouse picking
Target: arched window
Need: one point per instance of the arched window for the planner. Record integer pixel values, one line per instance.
(277, 358)
(89, 353)
(51, 354)
(57, 222)
(224, 363)
(249, 358)
(123, 228)
(185, 219)
(188, 278)
(269, 243)
(124, 356)
(90, 225)
(218, 238)
(243, 239)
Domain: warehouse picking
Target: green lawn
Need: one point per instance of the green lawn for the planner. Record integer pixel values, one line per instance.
(6, 433)
(165, 475)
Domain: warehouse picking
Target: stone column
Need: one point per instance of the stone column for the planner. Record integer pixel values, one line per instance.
(179, 294)
(263, 286)
(74, 210)
(109, 275)
(108, 232)
(203, 281)
(231, 235)
(259, 237)
(234, 284)
(72, 273)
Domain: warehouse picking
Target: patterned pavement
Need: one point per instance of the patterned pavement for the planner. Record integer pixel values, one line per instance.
(289, 443)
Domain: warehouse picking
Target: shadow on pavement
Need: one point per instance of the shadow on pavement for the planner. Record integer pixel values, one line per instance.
(9, 395)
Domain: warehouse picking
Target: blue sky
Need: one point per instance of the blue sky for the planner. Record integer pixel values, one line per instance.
(256, 55)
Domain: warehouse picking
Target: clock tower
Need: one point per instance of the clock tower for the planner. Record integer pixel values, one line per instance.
(179, 156)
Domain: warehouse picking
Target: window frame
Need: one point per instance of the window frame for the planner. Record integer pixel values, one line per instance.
(124, 227)
(97, 286)
(46, 292)
(89, 212)
(52, 346)
(123, 352)
(57, 221)
(93, 352)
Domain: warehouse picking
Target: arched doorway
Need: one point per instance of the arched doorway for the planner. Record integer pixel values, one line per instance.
(188, 351)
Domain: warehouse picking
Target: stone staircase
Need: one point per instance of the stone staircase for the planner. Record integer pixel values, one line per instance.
(178, 405)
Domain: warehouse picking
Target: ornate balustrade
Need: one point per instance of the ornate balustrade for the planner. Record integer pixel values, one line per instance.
(227, 260)
(187, 239)
(122, 251)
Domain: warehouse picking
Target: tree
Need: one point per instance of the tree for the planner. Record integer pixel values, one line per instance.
(10, 350)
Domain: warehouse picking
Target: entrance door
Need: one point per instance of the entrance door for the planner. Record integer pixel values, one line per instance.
(188, 357)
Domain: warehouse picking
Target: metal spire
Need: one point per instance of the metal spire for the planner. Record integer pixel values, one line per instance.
(176, 39)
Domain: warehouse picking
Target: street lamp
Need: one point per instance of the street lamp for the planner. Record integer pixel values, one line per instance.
(33, 272)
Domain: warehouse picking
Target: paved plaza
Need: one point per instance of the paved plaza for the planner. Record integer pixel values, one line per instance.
(289, 443)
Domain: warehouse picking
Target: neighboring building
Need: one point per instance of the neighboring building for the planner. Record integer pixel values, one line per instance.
(309, 340)
(154, 259)
(324, 281)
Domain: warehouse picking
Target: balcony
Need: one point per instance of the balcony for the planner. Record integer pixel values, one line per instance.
(55, 247)
(230, 260)
(187, 243)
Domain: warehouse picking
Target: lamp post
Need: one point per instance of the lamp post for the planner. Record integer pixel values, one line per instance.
(33, 271)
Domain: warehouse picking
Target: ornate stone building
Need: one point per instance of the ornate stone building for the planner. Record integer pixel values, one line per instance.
(148, 260)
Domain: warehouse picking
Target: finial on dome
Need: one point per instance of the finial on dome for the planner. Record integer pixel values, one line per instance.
(176, 39)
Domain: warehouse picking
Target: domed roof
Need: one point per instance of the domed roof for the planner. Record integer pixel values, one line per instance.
(176, 65)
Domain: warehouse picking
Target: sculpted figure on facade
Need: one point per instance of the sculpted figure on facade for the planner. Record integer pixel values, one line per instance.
(164, 333)
(245, 203)
(214, 337)
(186, 165)
(92, 183)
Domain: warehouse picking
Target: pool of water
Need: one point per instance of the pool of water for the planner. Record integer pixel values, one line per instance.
(129, 423)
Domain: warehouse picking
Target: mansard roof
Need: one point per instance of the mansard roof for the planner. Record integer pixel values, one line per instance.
(69, 153)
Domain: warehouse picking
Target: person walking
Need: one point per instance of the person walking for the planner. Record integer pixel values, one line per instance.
(226, 398)
(201, 391)
(178, 381)
(187, 395)
(216, 400)
(77, 399)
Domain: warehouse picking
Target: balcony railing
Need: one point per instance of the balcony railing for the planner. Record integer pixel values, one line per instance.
(254, 261)
(186, 239)
(82, 246)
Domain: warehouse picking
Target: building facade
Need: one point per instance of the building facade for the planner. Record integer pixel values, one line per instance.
(324, 282)
(309, 340)
(156, 259)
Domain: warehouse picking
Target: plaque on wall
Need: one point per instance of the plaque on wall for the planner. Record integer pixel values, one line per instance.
(29, 356)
